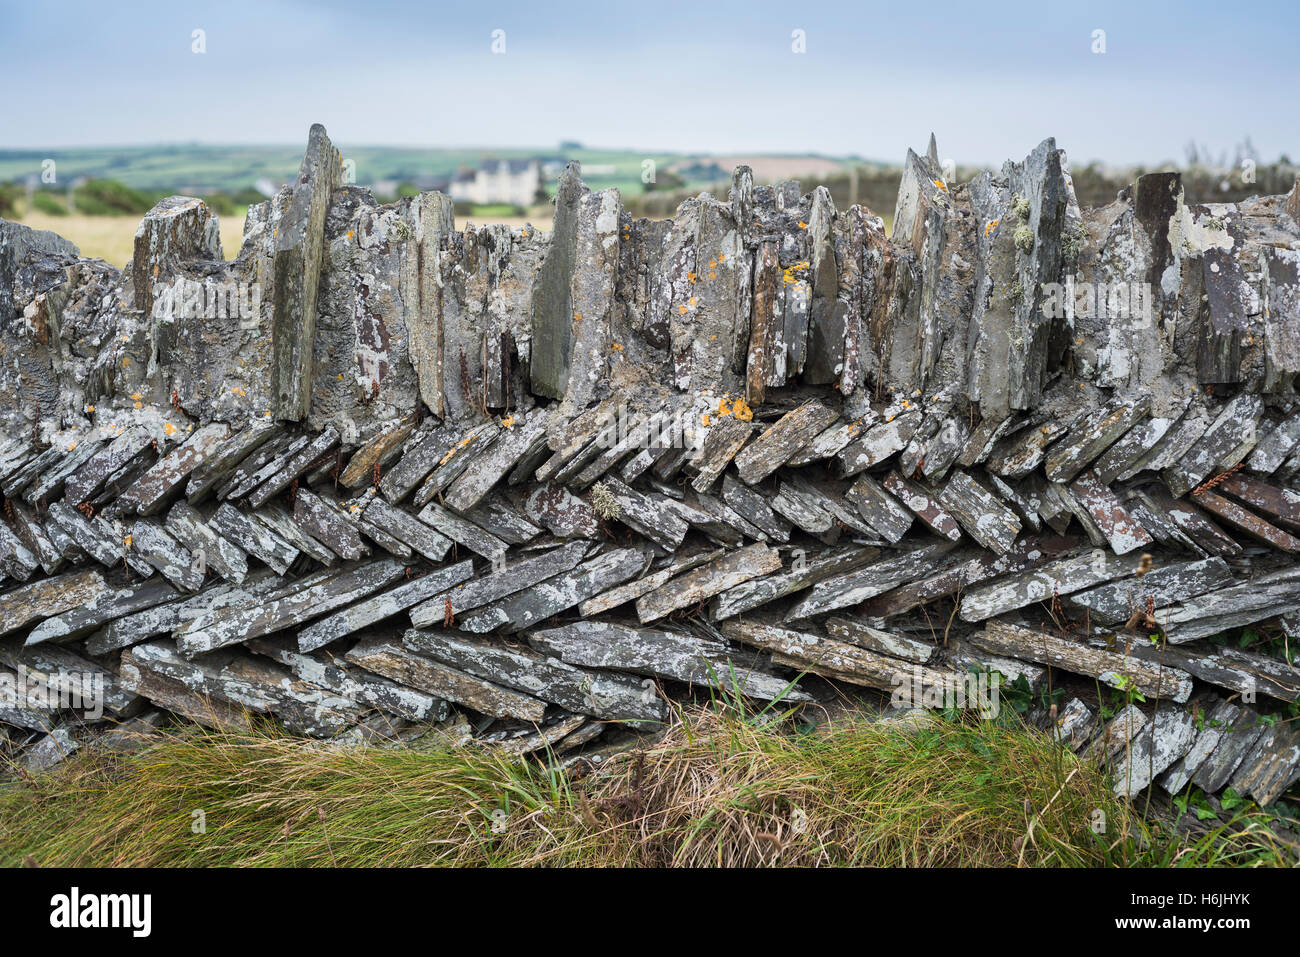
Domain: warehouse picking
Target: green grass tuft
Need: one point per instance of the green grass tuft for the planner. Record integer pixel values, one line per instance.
(718, 789)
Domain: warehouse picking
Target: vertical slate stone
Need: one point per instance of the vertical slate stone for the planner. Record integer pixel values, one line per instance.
(433, 221)
(553, 300)
(299, 244)
(826, 323)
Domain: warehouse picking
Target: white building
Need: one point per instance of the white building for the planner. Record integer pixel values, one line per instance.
(498, 181)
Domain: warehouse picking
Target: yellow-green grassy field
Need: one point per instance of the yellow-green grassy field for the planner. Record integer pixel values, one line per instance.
(111, 237)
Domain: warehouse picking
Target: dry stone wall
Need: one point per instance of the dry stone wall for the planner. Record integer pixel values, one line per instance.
(377, 473)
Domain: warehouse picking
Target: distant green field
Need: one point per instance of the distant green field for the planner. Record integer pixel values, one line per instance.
(230, 168)
(199, 168)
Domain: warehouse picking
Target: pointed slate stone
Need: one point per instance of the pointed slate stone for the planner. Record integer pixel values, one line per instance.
(376, 608)
(388, 657)
(153, 489)
(48, 597)
(783, 439)
(489, 588)
(526, 608)
(855, 587)
(253, 538)
(663, 654)
(601, 694)
(216, 629)
(298, 252)
(422, 537)
(703, 583)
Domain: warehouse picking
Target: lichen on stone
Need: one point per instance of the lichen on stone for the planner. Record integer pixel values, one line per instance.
(603, 501)
(1024, 238)
(1071, 244)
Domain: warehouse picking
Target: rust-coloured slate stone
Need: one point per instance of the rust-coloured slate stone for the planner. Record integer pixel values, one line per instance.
(1248, 522)
(1282, 504)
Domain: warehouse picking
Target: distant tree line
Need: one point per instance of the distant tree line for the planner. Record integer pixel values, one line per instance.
(106, 197)
(1095, 185)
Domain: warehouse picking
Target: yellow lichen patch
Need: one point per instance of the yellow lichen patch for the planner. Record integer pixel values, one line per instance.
(722, 258)
(616, 347)
(690, 277)
(90, 408)
(992, 225)
(71, 446)
(126, 540)
(350, 232)
(170, 429)
(712, 274)
(456, 448)
(681, 309)
(713, 264)
(694, 301)
(741, 410)
(139, 406)
(802, 224)
(706, 419)
(508, 421)
(941, 185)
(577, 317)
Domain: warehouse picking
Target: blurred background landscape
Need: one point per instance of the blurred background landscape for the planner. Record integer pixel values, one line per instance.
(100, 194)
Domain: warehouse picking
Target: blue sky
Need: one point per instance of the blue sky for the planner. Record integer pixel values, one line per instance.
(990, 79)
